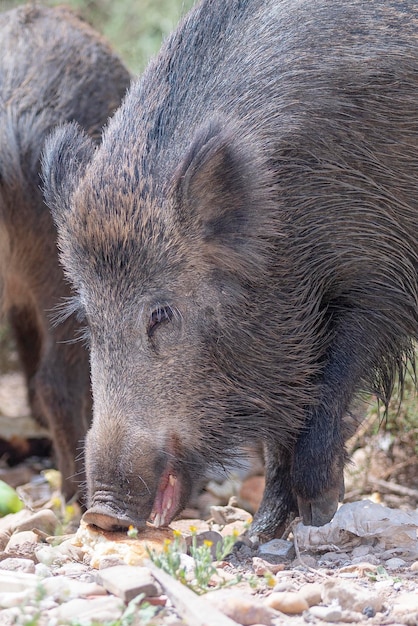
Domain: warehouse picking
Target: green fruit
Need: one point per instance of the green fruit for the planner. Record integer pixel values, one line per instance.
(9, 500)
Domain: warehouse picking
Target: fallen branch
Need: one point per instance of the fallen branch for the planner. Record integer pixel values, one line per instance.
(395, 488)
(192, 608)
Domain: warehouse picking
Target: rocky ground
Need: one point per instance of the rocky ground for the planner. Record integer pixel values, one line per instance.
(362, 568)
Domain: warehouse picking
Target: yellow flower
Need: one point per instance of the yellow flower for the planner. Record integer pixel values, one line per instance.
(193, 529)
(132, 532)
(177, 534)
(208, 543)
(166, 545)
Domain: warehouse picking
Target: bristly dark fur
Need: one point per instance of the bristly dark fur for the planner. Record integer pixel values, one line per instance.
(53, 69)
(261, 177)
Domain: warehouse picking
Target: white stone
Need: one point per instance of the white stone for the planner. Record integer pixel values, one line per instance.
(18, 565)
(44, 520)
(23, 544)
(17, 581)
(241, 607)
(361, 550)
(368, 558)
(9, 599)
(9, 617)
(406, 603)
(326, 613)
(63, 589)
(128, 581)
(395, 563)
(43, 571)
(287, 602)
(351, 597)
(312, 592)
(85, 612)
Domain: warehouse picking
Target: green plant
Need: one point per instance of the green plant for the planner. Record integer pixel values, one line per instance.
(169, 559)
(204, 570)
(380, 573)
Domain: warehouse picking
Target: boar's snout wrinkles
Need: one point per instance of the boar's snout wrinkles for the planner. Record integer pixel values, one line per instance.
(243, 248)
(53, 69)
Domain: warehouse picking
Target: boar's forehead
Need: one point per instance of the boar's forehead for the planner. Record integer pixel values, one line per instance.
(123, 235)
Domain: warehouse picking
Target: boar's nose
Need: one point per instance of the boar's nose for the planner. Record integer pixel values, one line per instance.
(109, 520)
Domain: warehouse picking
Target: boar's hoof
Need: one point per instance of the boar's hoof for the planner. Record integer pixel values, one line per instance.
(107, 519)
(319, 511)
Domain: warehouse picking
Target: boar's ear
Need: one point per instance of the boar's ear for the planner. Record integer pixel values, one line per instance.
(66, 153)
(218, 195)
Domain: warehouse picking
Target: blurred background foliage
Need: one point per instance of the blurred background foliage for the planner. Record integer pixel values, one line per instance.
(135, 28)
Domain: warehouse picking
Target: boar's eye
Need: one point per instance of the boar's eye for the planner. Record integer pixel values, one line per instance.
(160, 315)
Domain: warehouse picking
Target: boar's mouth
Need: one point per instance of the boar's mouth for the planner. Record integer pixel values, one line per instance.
(107, 512)
(168, 500)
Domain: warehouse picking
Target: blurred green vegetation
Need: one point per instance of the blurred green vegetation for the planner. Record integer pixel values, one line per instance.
(135, 28)
(401, 418)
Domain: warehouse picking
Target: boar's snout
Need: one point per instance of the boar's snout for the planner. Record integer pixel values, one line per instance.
(131, 480)
(105, 518)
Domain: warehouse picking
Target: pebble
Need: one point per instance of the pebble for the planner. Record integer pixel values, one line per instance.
(262, 567)
(10, 617)
(285, 585)
(372, 559)
(43, 571)
(406, 603)
(395, 563)
(76, 570)
(350, 597)
(326, 613)
(228, 514)
(334, 557)
(212, 536)
(287, 602)
(305, 561)
(311, 592)
(128, 581)
(23, 544)
(234, 528)
(109, 560)
(184, 526)
(85, 612)
(62, 588)
(414, 566)
(45, 520)
(4, 539)
(277, 549)
(9, 599)
(241, 607)
(361, 550)
(358, 569)
(18, 565)
(64, 553)
(17, 581)
(10, 522)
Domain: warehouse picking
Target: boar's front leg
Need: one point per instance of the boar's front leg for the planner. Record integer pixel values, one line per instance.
(318, 464)
(278, 504)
